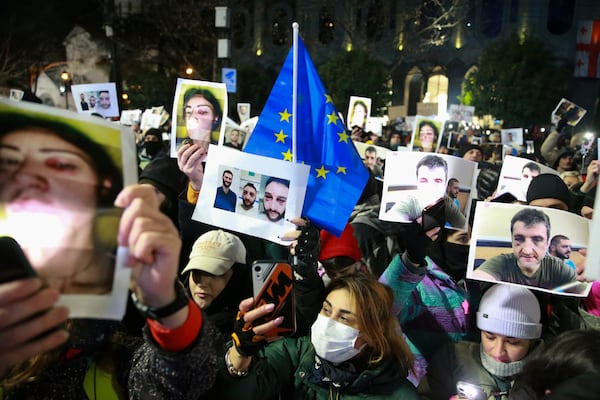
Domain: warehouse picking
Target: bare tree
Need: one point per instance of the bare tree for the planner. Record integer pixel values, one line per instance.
(433, 22)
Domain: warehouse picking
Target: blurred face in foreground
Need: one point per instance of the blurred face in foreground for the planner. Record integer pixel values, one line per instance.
(49, 189)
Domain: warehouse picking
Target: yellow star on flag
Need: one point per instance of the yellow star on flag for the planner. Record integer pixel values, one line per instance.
(343, 137)
(332, 118)
(280, 137)
(341, 170)
(284, 116)
(287, 156)
(328, 99)
(322, 172)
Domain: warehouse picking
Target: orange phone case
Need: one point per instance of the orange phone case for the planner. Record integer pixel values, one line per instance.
(278, 289)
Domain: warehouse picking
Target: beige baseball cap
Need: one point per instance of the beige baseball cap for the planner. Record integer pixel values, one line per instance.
(215, 252)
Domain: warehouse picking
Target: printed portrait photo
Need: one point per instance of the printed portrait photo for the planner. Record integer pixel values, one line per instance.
(516, 175)
(592, 266)
(458, 112)
(414, 181)
(235, 135)
(199, 112)
(541, 248)
(359, 109)
(243, 110)
(512, 137)
(131, 117)
(568, 110)
(59, 176)
(372, 156)
(96, 98)
(427, 134)
(240, 192)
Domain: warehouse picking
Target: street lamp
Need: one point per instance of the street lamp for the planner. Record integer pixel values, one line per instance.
(66, 78)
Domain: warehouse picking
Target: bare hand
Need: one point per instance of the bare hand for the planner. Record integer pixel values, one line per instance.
(153, 243)
(25, 313)
(189, 160)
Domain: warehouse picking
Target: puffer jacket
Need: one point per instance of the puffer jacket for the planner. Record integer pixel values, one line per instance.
(286, 367)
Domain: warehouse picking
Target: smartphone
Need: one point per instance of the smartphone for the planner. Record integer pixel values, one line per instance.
(470, 391)
(14, 264)
(273, 282)
(434, 215)
(506, 197)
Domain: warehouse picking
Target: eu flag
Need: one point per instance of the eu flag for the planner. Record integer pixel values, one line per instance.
(337, 175)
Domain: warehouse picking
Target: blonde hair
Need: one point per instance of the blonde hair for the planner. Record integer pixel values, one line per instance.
(376, 320)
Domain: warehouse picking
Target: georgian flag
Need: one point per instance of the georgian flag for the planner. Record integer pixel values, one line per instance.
(587, 50)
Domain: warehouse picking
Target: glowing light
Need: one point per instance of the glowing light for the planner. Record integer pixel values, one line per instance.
(189, 71)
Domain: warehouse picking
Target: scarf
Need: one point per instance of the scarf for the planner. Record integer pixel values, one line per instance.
(340, 376)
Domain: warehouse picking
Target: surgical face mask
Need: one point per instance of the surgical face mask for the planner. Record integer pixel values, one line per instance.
(334, 341)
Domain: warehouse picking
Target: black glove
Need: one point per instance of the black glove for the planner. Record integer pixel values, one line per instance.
(307, 249)
(560, 126)
(245, 340)
(417, 243)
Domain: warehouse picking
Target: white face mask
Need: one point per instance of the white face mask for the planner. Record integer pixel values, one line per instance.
(334, 341)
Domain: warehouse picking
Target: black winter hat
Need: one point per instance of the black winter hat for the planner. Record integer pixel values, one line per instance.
(548, 186)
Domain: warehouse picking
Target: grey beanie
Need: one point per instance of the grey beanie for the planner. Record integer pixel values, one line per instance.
(511, 311)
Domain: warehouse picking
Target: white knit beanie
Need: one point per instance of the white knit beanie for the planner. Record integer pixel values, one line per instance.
(510, 311)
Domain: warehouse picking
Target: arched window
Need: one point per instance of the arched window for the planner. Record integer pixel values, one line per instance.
(437, 90)
(560, 16)
(326, 26)
(491, 17)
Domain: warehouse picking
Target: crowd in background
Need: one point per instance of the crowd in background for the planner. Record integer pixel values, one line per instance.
(382, 312)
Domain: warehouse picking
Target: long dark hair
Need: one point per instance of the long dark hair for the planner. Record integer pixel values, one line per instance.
(569, 355)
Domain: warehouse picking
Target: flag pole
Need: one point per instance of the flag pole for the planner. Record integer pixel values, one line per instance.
(294, 89)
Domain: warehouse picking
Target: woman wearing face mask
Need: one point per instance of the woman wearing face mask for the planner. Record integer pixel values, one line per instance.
(355, 350)
(509, 321)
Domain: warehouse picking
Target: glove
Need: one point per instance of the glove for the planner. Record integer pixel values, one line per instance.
(560, 126)
(417, 243)
(307, 249)
(245, 340)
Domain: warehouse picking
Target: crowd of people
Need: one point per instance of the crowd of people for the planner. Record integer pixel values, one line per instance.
(384, 311)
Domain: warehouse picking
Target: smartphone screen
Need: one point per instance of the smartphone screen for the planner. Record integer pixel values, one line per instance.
(273, 282)
(14, 264)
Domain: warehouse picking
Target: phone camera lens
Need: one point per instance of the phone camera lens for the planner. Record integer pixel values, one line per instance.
(257, 269)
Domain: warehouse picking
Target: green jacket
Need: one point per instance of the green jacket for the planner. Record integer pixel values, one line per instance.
(455, 362)
(285, 368)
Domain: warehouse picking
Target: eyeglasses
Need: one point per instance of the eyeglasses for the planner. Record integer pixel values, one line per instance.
(203, 111)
